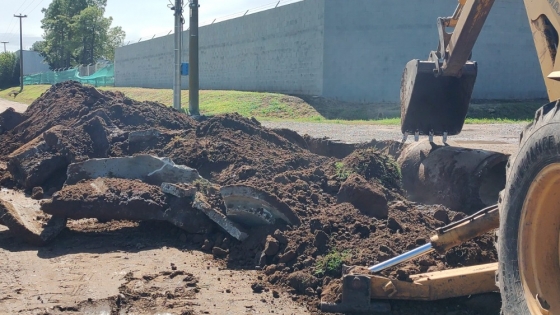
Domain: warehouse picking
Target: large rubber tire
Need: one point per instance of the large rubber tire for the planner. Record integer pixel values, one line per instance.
(539, 147)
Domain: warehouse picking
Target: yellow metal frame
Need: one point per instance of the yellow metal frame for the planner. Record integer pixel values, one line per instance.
(537, 11)
(437, 285)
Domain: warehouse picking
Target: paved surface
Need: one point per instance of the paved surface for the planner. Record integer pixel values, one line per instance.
(4, 104)
(495, 137)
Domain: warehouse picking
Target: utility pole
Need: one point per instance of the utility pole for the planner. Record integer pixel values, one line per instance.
(193, 60)
(177, 78)
(20, 51)
(4, 45)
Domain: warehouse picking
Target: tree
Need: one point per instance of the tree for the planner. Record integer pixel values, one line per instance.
(115, 39)
(38, 46)
(77, 32)
(9, 70)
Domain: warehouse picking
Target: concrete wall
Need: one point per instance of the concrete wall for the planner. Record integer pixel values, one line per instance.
(276, 50)
(368, 43)
(33, 63)
(352, 50)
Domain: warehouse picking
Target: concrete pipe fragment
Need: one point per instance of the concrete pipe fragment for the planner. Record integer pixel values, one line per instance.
(459, 178)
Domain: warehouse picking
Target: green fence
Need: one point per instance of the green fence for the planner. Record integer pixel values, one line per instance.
(102, 77)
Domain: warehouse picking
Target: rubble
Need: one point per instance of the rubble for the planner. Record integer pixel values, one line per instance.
(253, 207)
(232, 185)
(22, 215)
(219, 218)
(150, 169)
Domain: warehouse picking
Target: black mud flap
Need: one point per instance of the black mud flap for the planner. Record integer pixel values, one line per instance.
(435, 103)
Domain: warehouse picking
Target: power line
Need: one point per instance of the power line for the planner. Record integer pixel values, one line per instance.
(28, 6)
(21, 6)
(9, 26)
(35, 7)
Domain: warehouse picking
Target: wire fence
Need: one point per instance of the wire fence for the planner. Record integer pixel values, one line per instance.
(99, 74)
(269, 6)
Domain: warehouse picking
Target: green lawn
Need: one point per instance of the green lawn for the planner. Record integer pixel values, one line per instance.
(274, 106)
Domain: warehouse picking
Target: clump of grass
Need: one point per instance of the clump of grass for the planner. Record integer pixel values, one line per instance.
(342, 172)
(331, 264)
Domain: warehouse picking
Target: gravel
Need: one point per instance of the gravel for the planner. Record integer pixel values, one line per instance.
(479, 133)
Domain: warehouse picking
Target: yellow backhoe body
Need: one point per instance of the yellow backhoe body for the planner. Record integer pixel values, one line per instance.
(435, 95)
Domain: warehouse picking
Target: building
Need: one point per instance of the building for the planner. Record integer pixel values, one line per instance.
(351, 50)
(33, 62)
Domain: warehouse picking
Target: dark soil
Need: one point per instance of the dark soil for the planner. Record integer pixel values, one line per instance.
(230, 149)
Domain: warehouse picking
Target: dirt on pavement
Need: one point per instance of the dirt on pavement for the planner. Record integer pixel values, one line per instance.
(5, 104)
(275, 265)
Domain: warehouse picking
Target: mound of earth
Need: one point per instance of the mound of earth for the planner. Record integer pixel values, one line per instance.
(230, 149)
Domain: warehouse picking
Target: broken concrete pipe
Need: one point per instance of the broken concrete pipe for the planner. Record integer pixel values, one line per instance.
(251, 206)
(24, 218)
(459, 178)
(147, 168)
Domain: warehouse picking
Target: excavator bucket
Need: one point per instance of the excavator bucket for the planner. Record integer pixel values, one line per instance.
(431, 103)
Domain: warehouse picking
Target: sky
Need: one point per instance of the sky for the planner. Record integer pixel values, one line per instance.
(140, 19)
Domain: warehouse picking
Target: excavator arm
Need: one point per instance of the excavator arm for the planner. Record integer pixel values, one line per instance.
(435, 94)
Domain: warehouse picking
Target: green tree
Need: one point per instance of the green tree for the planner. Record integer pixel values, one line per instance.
(77, 32)
(38, 46)
(9, 70)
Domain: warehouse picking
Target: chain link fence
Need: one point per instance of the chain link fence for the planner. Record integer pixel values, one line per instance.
(100, 74)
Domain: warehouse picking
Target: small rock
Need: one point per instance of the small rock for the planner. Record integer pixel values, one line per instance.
(207, 245)
(270, 270)
(219, 252)
(279, 235)
(321, 241)
(301, 281)
(272, 246)
(173, 267)
(37, 193)
(257, 287)
(287, 256)
(275, 294)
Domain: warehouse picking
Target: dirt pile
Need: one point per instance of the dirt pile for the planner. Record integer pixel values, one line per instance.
(71, 123)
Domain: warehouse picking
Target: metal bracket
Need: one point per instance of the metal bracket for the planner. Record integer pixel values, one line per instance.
(434, 56)
(356, 298)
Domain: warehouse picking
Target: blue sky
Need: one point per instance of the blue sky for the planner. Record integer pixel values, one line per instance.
(141, 19)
